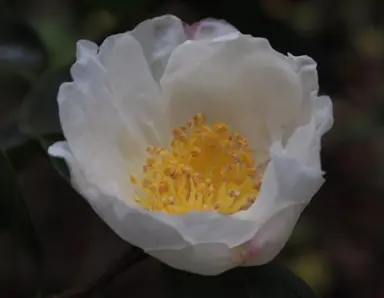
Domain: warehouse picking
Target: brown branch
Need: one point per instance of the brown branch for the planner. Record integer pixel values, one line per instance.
(130, 258)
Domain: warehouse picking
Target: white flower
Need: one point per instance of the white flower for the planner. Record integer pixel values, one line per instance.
(215, 197)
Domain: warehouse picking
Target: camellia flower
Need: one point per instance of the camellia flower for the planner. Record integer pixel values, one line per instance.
(198, 144)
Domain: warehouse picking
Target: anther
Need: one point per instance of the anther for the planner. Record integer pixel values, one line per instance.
(151, 149)
(195, 151)
(199, 118)
(235, 157)
(150, 161)
(220, 127)
(234, 193)
(132, 178)
(252, 172)
(163, 188)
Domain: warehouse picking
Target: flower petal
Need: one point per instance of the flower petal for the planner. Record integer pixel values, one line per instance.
(158, 38)
(129, 222)
(112, 111)
(287, 188)
(273, 235)
(204, 259)
(209, 29)
(240, 80)
(305, 143)
(61, 149)
(305, 68)
(152, 233)
(197, 242)
(292, 178)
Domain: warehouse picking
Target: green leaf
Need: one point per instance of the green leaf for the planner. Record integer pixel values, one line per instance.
(21, 50)
(22, 59)
(13, 89)
(267, 281)
(13, 210)
(14, 214)
(59, 39)
(39, 116)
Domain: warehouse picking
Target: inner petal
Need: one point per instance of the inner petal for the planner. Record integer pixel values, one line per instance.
(206, 168)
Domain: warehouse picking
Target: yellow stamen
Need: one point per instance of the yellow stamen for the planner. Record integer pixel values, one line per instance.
(206, 168)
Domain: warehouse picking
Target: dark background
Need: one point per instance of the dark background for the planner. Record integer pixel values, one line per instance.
(337, 246)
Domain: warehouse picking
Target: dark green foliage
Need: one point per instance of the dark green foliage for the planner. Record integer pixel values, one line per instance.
(269, 281)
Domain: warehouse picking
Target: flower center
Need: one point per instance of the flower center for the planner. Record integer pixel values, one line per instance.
(206, 168)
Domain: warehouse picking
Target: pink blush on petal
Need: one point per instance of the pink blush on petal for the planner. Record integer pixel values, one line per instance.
(253, 252)
(247, 254)
(190, 30)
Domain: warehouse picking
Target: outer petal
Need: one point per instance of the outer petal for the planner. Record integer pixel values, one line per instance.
(205, 259)
(157, 234)
(161, 35)
(287, 189)
(297, 183)
(158, 38)
(237, 79)
(111, 111)
(129, 222)
(209, 29)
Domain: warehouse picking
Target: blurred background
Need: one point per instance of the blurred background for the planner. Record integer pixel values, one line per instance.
(338, 244)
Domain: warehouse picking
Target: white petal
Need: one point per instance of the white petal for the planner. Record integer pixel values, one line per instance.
(196, 242)
(158, 38)
(209, 29)
(128, 77)
(273, 235)
(291, 179)
(129, 222)
(241, 81)
(287, 188)
(204, 259)
(265, 228)
(323, 113)
(152, 233)
(305, 68)
(62, 150)
(204, 243)
(112, 111)
(305, 143)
